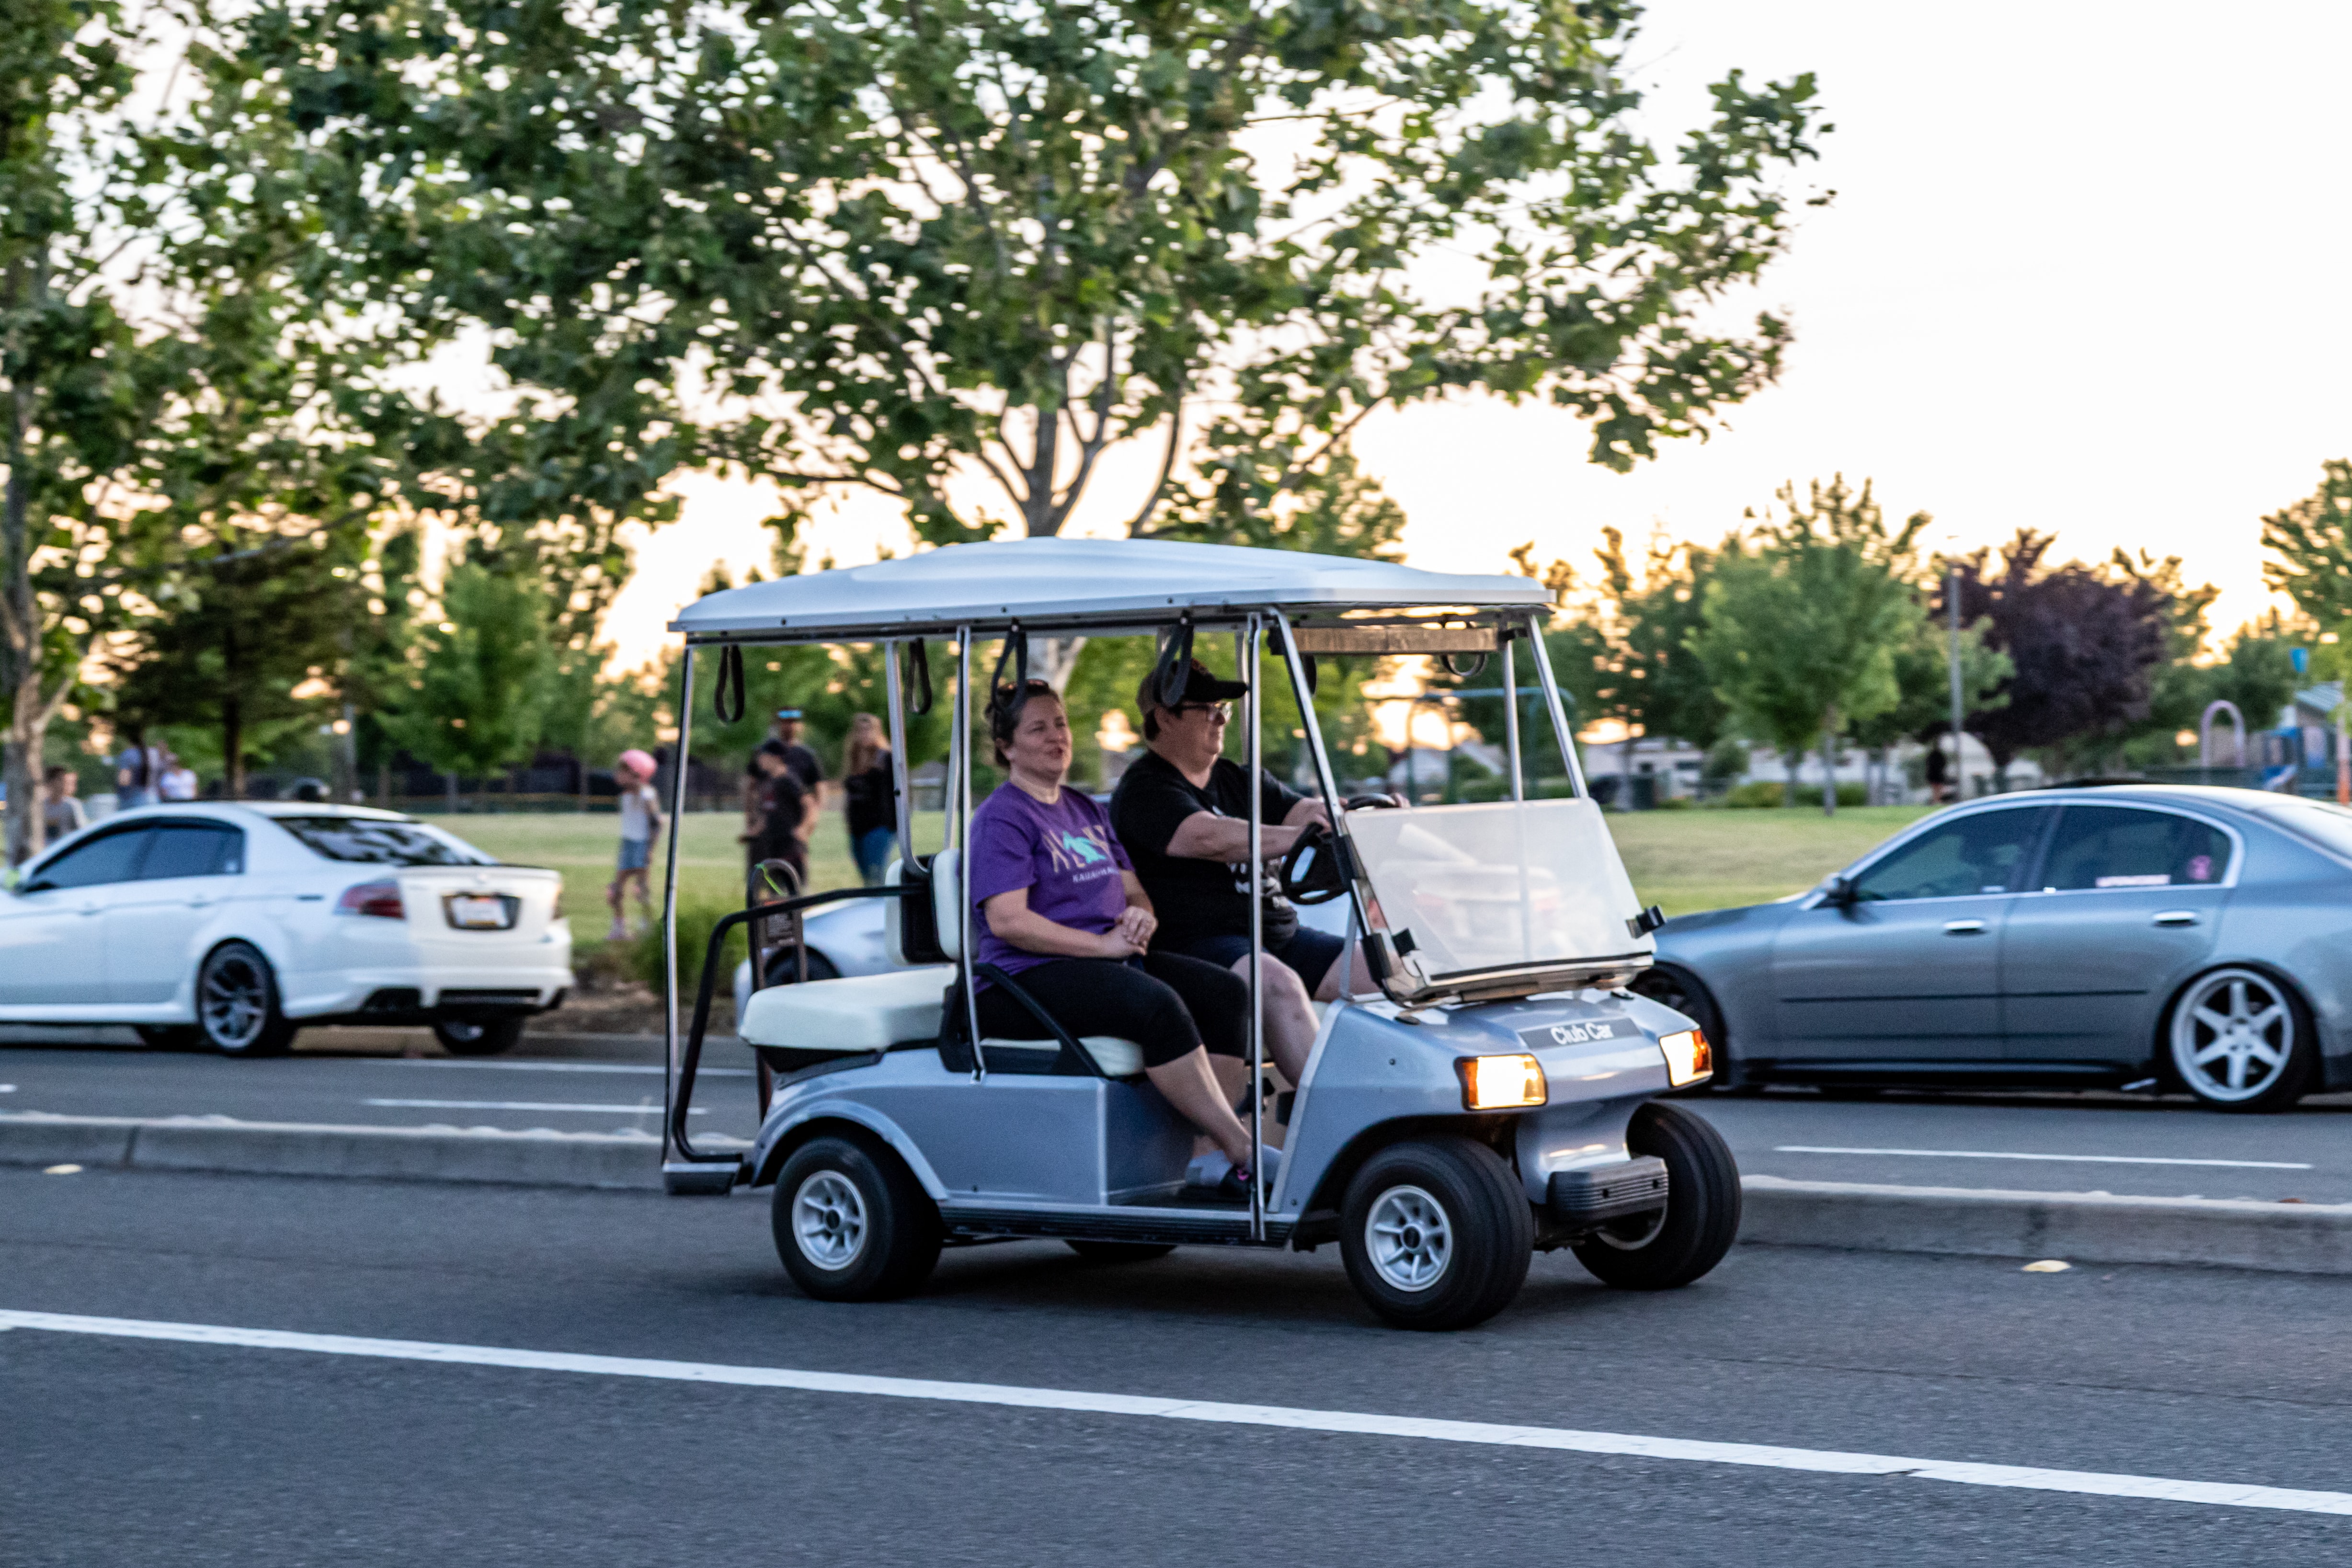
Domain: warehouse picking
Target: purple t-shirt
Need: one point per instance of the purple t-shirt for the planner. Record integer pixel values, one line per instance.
(1064, 854)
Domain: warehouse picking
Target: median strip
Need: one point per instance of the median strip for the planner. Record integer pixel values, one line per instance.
(1341, 1422)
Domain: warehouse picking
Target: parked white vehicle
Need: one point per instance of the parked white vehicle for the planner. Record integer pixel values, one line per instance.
(234, 925)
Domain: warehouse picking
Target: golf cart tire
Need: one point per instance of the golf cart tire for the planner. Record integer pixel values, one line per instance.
(483, 1037)
(239, 966)
(897, 1226)
(1120, 1251)
(1647, 1252)
(1490, 1232)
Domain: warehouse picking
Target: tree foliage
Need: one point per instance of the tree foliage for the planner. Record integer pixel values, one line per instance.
(1800, 627)
(2310, 543)
(476, 698)
(902, 248)
(2085, 646)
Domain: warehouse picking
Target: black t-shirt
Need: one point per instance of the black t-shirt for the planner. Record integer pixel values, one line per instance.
(799, 761)
(782, 803)
(1196, 899)
(870, 806)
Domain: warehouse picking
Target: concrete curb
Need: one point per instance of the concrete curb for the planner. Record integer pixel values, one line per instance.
(542, 1159)
(2081, 1227)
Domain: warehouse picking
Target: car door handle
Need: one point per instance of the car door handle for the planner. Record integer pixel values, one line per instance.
(2176, 918)
(1963, 928)
(87, 910)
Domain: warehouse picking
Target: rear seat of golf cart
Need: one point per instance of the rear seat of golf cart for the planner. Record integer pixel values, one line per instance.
(822, 1022)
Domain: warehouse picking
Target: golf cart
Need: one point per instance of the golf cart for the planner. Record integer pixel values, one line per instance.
(1495, 1095)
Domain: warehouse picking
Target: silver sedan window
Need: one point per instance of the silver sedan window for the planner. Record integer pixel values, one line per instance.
(1983, 852)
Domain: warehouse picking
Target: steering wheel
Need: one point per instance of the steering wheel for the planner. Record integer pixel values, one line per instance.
(1309, 873)
(1374, 803)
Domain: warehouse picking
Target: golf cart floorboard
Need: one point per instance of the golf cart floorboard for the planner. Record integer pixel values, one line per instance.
(1214, 1221)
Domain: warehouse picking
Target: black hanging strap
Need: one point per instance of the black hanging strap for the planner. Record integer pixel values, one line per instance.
(921, 703)
(1175, 664)
(1016, 654)
(730, 674)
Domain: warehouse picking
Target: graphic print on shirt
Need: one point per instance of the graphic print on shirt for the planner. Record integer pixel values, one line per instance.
(1070, 851)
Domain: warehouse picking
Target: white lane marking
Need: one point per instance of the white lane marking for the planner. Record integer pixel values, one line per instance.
(2072, 1159)
(2084, 1483)
(7, 1089)
(520, 1105)
(543, 1066)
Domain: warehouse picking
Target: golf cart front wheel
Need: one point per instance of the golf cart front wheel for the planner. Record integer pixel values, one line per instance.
(851, 1222)
(1672, 1247)
(1436, 1233)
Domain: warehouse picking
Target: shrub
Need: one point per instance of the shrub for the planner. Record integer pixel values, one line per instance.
(1772, 793)
(694, 923)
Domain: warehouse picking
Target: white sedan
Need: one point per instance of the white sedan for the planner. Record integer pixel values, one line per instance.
(232, 925)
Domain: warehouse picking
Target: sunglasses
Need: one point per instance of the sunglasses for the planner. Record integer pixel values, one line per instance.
(1222, 711)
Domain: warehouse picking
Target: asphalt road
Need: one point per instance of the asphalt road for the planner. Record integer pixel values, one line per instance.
(117, 1450)
(2114, 1143)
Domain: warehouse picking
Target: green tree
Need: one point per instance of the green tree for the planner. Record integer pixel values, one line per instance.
(986, 242)
(2311, 545)
(475, 702)
(1800, 628)
(230, 646)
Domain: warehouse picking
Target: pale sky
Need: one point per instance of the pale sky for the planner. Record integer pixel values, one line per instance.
(2084, 272)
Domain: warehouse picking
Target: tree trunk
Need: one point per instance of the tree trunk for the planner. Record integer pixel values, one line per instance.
(1794, 761)
(27, 834)
(20, 656)
(1828, 763)
(232, 746)
(1624, 772)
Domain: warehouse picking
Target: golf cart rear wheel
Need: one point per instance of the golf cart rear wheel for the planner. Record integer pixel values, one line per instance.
(851, 1222)
(478, 1037)
(237, 1003)
(1120, 1251)
(1664, 1249)
(1436, 1233)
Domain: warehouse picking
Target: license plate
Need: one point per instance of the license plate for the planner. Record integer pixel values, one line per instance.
(481, 911)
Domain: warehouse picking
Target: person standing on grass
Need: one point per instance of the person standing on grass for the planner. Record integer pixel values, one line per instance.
(136, 772)
(641, 818)
(61, 814)
(871, 808)
(177, 781)
(789, 812)
(783, 731)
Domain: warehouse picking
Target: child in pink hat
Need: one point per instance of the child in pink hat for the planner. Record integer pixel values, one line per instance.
(641, 818)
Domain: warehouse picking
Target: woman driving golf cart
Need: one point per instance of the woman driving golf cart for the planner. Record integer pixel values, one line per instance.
(1060, 908)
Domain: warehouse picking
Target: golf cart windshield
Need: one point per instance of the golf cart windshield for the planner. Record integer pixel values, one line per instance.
(1480, 893)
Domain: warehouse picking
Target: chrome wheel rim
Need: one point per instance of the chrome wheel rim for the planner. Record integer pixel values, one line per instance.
(1632, 1240)
(1409, 1238)
(235, 1004)
(829, 1220)
(2232, 1035)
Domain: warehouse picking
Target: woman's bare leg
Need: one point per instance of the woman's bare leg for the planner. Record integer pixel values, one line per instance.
(1190, 1086)
(1290, 1019)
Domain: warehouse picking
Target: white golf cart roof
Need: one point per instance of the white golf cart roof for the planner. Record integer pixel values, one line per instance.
(1047, 583)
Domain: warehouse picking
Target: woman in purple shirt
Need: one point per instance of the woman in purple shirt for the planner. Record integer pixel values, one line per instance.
(1061, 910)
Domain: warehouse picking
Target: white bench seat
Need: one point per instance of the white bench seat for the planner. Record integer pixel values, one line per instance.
(855, 1013)
(861, 1013)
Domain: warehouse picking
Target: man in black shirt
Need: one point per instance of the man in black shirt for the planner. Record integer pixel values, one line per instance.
(1183, 814)
(784, 735)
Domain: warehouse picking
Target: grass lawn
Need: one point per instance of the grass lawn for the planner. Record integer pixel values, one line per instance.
(1691, 860)
(1684, 860)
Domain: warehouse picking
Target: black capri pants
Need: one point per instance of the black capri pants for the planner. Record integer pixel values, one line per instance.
(1164, 1002)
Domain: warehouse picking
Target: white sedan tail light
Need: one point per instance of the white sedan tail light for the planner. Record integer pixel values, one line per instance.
(380, 900)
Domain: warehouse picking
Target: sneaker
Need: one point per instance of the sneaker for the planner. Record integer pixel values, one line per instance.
(1209, 1170)
(619, 933)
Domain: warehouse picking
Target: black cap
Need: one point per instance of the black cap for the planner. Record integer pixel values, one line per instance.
(1200, 685)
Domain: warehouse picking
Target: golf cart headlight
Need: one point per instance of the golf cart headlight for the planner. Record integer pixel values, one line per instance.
(1497, 1083)
(1688, 1057)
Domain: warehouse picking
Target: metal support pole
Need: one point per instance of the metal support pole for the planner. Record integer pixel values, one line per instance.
(902, 770)
(1558, 714)
(1361, 918)
(679, 766)
(1255, 704)
(1952, 611)
(960, 820)
(1511, 724)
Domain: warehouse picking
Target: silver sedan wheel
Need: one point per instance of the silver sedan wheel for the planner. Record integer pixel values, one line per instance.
(829, 1220)
(234, 1001)
(1409, 1238)
(2232, 1035)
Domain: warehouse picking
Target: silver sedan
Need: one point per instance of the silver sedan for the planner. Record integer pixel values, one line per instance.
(2119, 936)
